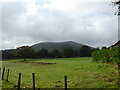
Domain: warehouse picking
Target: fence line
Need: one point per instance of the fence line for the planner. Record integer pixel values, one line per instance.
(33, 79)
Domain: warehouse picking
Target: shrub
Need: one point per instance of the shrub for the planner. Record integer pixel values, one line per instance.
(111, 55)
(115, 54)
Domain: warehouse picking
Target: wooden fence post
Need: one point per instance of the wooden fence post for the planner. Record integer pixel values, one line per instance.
(65, 82)
(33, 77)
(3, 73)
(7, 75)
(19, 80)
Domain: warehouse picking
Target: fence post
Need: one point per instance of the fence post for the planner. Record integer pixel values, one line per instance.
(7, 75)
(19, 79)
(65, 82)
(3, 73)
(33, 77)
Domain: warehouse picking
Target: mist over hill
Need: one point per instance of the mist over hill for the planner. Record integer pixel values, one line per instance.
(58, 45)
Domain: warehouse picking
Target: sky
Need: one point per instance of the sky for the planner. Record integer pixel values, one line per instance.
(89, 22)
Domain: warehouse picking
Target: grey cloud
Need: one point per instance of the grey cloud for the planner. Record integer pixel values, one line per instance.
(92, 24)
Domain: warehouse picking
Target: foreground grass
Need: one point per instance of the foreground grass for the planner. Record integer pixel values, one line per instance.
(81, 72)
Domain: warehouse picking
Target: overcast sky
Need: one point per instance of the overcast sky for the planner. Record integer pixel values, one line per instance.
(27, 23)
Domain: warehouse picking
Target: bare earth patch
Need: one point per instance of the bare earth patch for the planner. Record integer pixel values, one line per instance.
(34, 62)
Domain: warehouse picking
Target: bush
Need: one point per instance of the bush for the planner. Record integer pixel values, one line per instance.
(111, 55)
(115, 54)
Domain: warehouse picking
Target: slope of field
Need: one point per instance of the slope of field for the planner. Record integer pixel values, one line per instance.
(81, 72)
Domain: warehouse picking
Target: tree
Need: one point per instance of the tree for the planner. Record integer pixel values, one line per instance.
(76, 53)
(85, 51)
(55, 54)
(111, 55)
(24, 52)
(43, 53)
(8, 54)
(115, 55)
(103, 47)
(38, 54)
(68, 53)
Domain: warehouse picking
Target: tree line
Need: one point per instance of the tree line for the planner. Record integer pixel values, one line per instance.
(26, 52)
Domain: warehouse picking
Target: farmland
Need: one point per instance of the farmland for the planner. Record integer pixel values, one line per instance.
(49, 73)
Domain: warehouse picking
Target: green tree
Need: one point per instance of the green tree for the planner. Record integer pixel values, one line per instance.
(7, 54)
(115, 55)
(85, 51)
(68, 53)
(55, 53)
(43, 53)
(76, 53)
(111, 55)
(24, 52)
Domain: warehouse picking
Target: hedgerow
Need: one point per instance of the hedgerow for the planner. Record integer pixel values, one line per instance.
(105, 55)
(115, 54)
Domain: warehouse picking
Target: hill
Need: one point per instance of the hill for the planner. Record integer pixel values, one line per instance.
(116, 44)
(9, 54)
(58, 45)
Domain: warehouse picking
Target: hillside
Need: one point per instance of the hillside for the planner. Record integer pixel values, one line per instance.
(9, 54)
(116, 44)
(57, 45)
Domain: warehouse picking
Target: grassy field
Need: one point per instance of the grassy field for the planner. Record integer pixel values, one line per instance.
(81, 72)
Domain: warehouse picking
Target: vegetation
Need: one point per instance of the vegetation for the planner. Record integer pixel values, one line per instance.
(26, 52)
(107, 55)
(43, 53)
(68, 53)
(49, 73)
(85, 51)
(8, 54)
(55, 53)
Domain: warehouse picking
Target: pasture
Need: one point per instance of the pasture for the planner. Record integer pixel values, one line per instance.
(49, 73)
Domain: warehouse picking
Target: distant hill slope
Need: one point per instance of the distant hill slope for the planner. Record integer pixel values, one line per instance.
(9, 51)
(58, 45)
(116, 44)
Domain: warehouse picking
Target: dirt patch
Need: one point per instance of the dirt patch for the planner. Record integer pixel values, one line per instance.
(45, 63)
(34, 62)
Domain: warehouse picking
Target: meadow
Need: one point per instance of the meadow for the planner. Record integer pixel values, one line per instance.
(49, 73)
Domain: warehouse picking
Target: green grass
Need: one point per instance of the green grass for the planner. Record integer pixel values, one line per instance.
(81, 72)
